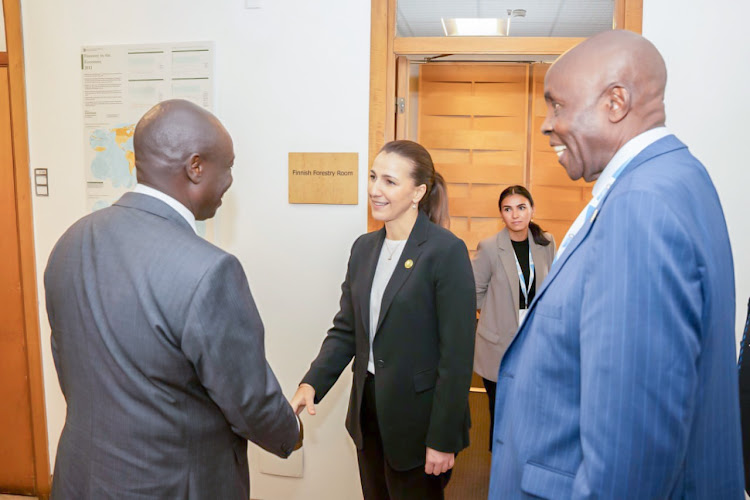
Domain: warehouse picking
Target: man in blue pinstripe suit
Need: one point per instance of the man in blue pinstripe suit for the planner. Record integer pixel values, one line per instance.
(621, 383)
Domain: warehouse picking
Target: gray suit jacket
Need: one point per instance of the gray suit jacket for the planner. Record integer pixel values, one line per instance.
(496, 279)
(159, 352)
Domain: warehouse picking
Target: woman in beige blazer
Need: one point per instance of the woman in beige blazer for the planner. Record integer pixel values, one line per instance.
(508, 269)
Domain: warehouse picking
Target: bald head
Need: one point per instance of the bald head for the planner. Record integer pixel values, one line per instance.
(620, 58)
(181, 149)
(169, 132)
(600, 94)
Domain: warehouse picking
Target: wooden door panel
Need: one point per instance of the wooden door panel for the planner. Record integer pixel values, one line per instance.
(441, 123)
(485, 227)
(473, 206)
(16, 439)
(473, 139)
(488, 192)
(473, 73)
(500, 99)
(482, 174)
(510, 125)
(479, 141)
(499, 158)
(451, 156)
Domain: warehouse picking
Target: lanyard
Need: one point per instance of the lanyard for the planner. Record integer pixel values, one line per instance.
(525, 289)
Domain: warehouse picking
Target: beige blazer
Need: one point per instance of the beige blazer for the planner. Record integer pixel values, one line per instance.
(497, 285)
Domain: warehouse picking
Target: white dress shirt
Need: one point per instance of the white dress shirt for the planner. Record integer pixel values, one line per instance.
(389, 255)
(179, 207)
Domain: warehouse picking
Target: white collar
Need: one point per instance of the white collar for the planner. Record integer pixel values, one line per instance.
(179, 207)
(625, 154)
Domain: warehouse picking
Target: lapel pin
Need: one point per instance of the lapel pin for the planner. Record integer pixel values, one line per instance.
(408, 264)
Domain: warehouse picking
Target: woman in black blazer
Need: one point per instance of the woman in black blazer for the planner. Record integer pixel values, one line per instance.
(410, 283)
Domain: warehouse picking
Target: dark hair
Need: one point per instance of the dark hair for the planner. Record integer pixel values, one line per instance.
(536, 232)
(434, 203)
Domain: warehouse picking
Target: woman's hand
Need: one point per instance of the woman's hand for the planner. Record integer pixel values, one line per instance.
(304, 398)
(437, 462)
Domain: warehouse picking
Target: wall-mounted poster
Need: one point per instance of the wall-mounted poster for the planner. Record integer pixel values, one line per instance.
(121, 83)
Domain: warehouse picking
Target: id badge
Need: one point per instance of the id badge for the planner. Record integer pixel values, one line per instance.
(522, 315)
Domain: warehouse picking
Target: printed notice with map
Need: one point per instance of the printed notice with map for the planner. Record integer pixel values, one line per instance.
(121, 83)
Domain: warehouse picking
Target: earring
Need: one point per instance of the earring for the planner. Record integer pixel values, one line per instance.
(414, 206)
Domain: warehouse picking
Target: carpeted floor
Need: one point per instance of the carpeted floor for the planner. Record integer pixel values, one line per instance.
(471, 473)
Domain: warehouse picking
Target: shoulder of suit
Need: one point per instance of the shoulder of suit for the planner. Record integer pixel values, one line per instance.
(685, 172)
(366, 238)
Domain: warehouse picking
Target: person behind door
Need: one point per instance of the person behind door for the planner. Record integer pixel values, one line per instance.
(156, 339)
(406, 316)
(508, 268)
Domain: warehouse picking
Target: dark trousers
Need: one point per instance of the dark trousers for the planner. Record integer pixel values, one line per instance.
(379, 480)
(490, 387)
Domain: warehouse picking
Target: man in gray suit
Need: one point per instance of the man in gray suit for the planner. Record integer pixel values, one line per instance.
(156, 339)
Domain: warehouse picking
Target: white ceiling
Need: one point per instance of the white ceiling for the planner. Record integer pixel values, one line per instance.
(556, 18)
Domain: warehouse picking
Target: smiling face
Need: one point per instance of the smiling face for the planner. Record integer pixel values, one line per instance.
(391, 188)
(577, 121)
(516, 211)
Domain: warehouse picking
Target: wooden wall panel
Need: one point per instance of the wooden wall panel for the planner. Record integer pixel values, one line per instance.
(473, 118)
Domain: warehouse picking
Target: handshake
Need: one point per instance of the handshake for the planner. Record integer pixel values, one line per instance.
(304, 397)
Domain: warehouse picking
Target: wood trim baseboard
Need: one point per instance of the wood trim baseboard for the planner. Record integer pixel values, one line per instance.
(19, 127)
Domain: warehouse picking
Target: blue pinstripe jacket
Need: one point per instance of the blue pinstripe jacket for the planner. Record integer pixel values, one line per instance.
(622, 382)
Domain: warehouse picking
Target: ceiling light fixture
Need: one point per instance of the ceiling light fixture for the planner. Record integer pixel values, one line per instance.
(472, 26)
(484, 26)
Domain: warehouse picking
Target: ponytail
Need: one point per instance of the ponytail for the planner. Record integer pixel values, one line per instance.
(435, 202)
(538, 234)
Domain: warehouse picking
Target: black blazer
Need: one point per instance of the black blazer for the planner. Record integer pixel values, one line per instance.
(423, 348)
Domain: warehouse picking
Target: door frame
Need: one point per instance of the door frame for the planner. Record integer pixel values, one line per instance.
(386, 47)
(25, 223)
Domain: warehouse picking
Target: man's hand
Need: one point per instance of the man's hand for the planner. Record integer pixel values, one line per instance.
(301, 437)
(304, 398)
(437, 462)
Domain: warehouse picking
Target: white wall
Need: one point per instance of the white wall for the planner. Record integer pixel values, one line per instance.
(707, 49)
(293, 76)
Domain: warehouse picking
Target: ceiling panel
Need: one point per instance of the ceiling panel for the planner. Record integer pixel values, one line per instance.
(555, 18)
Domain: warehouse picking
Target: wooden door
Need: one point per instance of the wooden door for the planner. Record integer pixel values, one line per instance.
(16, 436)
(558, 200)
(473, 118)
